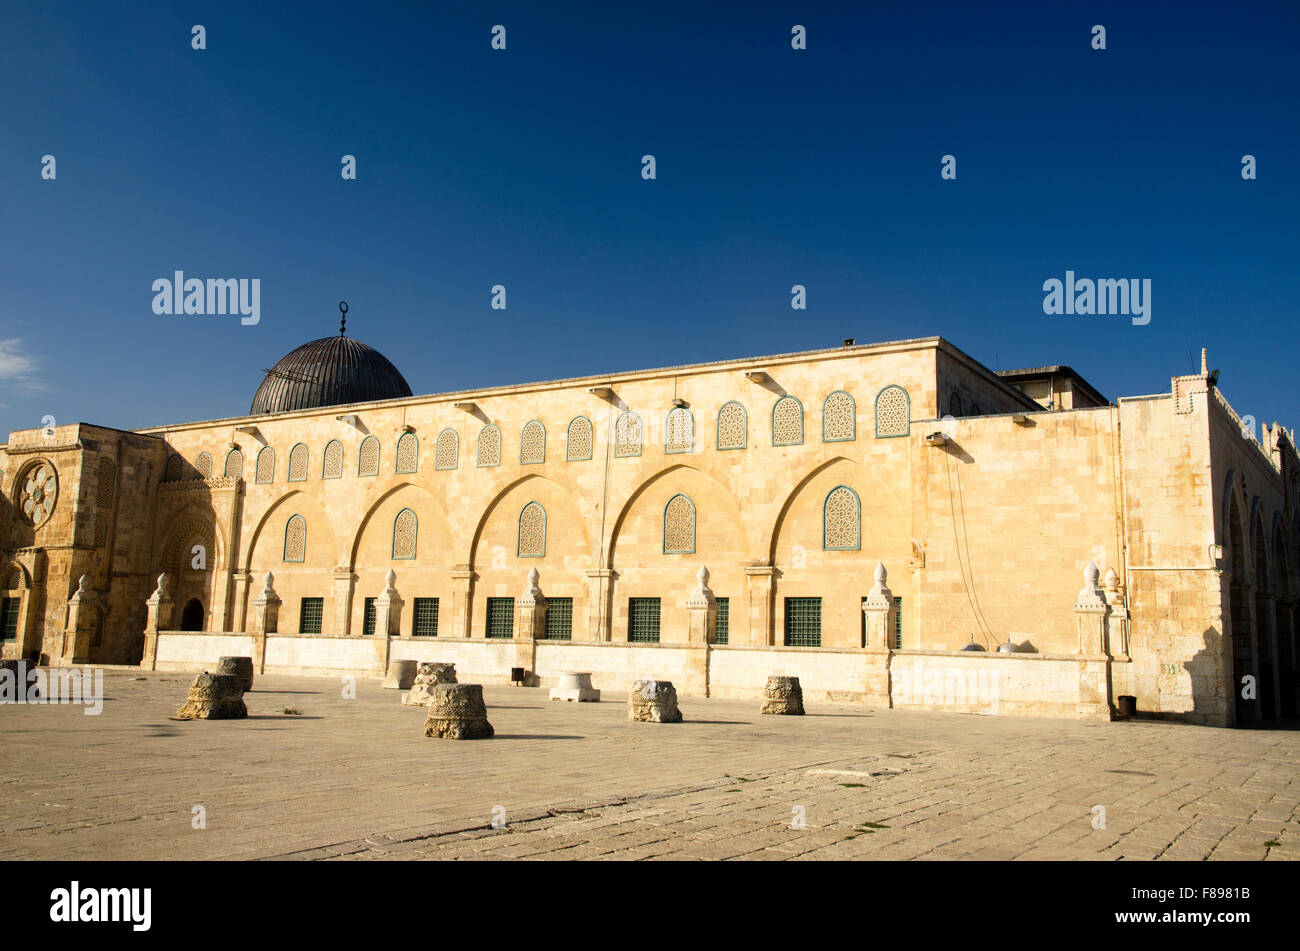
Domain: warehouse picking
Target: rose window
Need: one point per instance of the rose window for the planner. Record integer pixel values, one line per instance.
(39, 493)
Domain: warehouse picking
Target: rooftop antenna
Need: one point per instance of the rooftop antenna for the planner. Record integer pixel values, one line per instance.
(343, 318)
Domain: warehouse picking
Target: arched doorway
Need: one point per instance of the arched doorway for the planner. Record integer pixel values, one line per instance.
(1242, 618)
(192, 616)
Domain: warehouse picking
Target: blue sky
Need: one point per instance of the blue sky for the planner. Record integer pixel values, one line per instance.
(522, 167)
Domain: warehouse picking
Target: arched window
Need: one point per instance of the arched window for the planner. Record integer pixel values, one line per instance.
(446, 451)
(893, 412)
(679, 526)
(489, 446)
(578, 445)
(173, 471)
(295, 539)
(532, 531)
(679, 430)
(842, 520)
(332, 466)
(101, 531)
(265, 465)
(404, 535)
(368, 457)
(954, 404)
(408, 453)
(103, 483)
(733, 426)
(532, 443)
(234, 468)
(298, 463)
(787, 422)
(203, 466)
(839, 418)
(975, 409)
(627, 435)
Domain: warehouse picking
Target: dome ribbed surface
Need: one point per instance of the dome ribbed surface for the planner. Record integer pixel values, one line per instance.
(330, 371)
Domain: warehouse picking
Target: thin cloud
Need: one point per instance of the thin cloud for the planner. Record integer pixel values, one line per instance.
(18, 368)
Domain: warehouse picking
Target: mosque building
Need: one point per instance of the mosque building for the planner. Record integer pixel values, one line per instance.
(893, 523)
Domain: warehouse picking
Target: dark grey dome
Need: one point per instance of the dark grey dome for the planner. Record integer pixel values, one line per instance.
(330, 371)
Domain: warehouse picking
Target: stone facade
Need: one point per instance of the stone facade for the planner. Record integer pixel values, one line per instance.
(790, 477)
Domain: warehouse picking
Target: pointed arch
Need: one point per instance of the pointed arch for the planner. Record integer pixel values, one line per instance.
(265, 471)
(234, 467)
(368, 457)
(298, 457)
(893, 412)
(580, 441)
(295, 540)
(446, 450)
(839, 418)
(408, 454)
(679, 430)
(679, 526)
(627, 435)
(733, 426)
(405, 531)
(787, 422)
(489, 446)
(203, 466)
(532, 443)
(532, 531)
(842, 520)
(332, 460)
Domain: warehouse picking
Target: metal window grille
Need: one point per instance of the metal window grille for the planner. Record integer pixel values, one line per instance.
(803, 622)
(500, 617)
(722, 629)
(313, 609)
(9, 619)
(368, 620)
(643, 620)
(898, 624)
(559, 619)
(426, 618)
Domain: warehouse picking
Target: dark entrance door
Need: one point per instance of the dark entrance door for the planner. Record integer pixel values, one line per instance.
(192, 616)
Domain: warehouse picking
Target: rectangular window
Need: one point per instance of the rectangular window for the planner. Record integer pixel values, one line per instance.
(9, 619)
(722, 630)
(559, 619)
(313, 609)
(643, 620)
(898, 624)
(500, 617)
(803, 622)
(426, 618)
(368, 618)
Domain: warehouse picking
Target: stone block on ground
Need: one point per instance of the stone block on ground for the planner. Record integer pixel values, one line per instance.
(214, 697)
(241, 667)
(457, 712)
(575, 686)
(783, 696)
(401, 674)
(428, 677)
(653, 701)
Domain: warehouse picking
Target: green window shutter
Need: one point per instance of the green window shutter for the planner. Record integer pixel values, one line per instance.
(425, 623)
(803, 622)
(643, 620)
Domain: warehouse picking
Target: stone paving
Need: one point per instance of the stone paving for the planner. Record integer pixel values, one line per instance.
(357, 779)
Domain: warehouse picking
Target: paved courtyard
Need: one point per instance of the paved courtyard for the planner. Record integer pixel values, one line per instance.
(357, 779)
